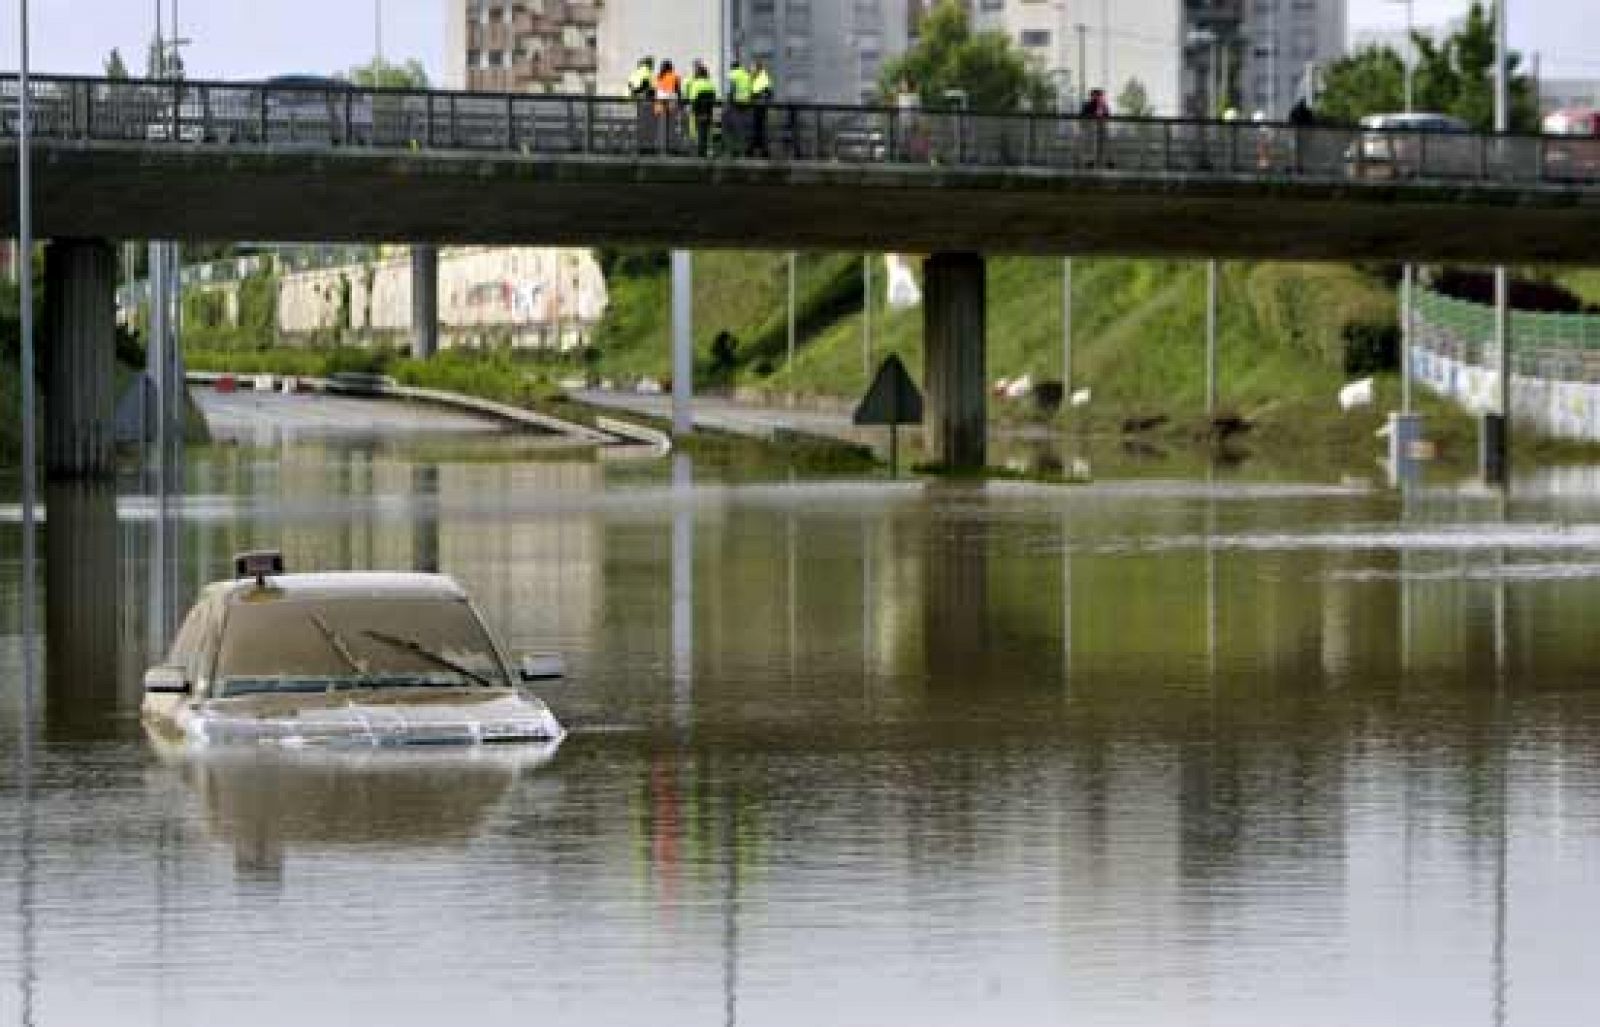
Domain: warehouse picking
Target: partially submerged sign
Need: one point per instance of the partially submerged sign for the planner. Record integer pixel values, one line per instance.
(893, 398)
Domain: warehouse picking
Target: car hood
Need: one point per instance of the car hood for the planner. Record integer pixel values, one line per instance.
(374, 717)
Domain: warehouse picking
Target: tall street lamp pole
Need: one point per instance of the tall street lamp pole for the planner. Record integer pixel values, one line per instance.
(1408, 272)
(1502, 285)
(25, 281)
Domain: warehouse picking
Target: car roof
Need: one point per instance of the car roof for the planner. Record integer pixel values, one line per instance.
(374, 584)
(1413, 119)
(321, 81)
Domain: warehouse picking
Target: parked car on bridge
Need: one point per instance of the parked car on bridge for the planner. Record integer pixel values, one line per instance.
(1574, 152)
(344, 659)
(1412, 145)
(314, 110)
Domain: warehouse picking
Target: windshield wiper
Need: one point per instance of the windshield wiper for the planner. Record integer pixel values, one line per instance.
(411, 645)
(338, 644)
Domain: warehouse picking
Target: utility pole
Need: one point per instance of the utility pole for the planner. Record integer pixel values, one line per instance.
(1497, 444)
(377, 31)
(682, 343)
(1408, 273)
(1066, 329)
(29, 443)
(790, 362)
(1083, 62)
(1211, 339)
(866, 317)
(1105, 47)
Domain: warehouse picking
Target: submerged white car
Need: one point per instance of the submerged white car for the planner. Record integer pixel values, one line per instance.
(348, 659)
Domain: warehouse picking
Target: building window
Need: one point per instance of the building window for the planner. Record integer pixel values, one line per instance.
(1036, 38)
(992, 5)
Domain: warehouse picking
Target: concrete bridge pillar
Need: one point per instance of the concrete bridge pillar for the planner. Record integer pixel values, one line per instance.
(424, 301)
(79, 358)
(953, 313)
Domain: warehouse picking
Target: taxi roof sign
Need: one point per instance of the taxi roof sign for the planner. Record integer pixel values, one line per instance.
(893, 397)
(258, 563)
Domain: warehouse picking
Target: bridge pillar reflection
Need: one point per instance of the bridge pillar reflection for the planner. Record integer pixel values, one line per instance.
(953, 313)
(424, 301)
(80, 326)
(82, 610)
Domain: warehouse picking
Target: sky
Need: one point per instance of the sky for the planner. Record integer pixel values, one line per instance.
(243, 39)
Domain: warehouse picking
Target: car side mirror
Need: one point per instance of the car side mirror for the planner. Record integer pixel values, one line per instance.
(166, 680)
(541, 667)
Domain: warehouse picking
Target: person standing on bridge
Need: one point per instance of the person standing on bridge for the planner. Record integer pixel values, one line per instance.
(736, 116)
(1096, 111)
(669, 93)
(761, 89)
(702, 96)
(641, 86)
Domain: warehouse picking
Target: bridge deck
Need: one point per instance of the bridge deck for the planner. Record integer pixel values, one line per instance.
(228, 161)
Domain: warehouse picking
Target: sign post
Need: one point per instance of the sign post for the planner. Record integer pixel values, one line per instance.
(893, 399)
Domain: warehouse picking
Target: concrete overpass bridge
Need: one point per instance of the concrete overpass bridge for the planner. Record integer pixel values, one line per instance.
(217, 161)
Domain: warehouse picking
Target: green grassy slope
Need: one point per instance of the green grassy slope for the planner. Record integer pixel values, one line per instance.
(1139, 336)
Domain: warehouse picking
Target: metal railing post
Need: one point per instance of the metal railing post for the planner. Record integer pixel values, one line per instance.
(177, 97)
(349, 121)
(511, 122)
(588, 126)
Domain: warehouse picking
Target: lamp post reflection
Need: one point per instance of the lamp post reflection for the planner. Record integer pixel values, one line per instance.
(683, 500)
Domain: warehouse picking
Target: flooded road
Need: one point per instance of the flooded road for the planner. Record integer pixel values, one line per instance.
(854, 753)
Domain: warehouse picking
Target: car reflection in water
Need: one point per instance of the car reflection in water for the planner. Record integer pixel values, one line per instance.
(267, 802)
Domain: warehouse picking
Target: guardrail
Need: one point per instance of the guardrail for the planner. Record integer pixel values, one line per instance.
(314, 117)
(1545, 345)
(1555, 363)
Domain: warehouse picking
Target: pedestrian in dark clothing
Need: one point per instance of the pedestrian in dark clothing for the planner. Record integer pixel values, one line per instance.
(1096, 110)
(702, 103)
(1302, 117)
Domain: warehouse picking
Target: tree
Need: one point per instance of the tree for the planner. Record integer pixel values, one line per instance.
(1370, 81)
(1457, 76)
(1453, 76)
(115, 68)
(380, 74)
(1133, 101)
(995, 75)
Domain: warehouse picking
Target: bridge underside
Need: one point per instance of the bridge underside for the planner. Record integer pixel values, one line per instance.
(130, 191)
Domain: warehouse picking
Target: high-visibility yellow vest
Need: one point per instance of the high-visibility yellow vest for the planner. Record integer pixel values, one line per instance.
(699, 87)
(739, 85)
(761, 85)
(639, 81)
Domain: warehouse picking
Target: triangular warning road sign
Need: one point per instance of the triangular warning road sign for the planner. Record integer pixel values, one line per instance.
(893, 397)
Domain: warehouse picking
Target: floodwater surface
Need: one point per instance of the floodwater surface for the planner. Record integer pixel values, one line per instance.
(840, 752)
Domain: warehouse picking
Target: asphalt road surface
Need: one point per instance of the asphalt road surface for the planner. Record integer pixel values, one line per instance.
(250, 416)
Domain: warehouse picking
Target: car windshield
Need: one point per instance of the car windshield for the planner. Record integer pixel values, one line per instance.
(312, 644)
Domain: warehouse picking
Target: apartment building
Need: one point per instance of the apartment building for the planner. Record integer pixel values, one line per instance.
(820, 51)
(1281, 42)
(1191, 56)
(1096, 44)
(524, 45)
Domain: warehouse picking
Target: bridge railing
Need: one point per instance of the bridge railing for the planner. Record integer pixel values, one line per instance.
(313, 117)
